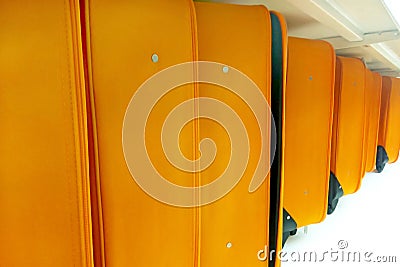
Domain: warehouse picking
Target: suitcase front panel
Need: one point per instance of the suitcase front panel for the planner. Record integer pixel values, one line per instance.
(127, 43)
(309, 114)
(44, 194)
(235, 227)
(374, 104)
(392, 137)
(348, 130)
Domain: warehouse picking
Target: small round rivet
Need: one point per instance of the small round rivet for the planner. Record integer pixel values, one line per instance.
(288, 217)
(225, 69)
(229, 245)
(154, 58)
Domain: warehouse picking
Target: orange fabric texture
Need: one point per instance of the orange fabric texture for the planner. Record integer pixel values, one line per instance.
(127, 43)
(369, 81)
(240, 218)
(67, 193)
(309, 114)
(44, 181)
(389, 128)
(385, 96)
(348, 128)
(373, 90)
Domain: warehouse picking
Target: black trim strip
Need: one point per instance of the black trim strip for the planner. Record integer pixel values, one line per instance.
(277, 111)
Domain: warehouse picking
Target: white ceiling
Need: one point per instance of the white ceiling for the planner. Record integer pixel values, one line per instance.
(356, 28)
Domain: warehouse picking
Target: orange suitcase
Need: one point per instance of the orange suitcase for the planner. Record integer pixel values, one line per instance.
(373, 103)
(239, 38)
(308, 131)
(389, 125)
(347, 161)
(127, 43)
(44, 179)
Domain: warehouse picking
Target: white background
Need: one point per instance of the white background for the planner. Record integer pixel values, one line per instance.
(367, 220)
